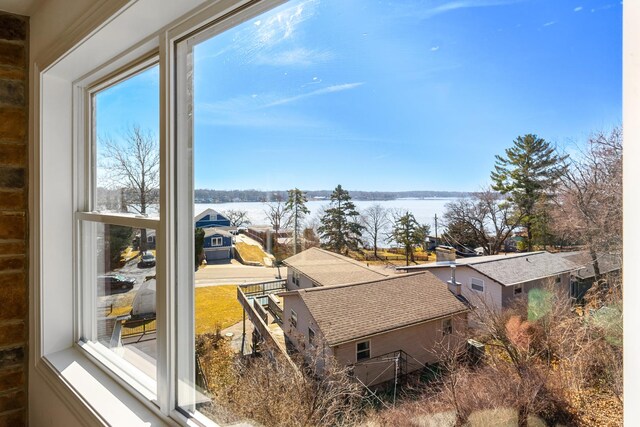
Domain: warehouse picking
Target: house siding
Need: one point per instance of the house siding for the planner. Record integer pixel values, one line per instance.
(419, 342)
(304, 281)
(493, 291)
(507, 291)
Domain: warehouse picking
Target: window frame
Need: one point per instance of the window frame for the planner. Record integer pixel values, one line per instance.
(311, 336)
(217, 239)
(471, 285)
(360, 358)
(518, 289)
(293, 319)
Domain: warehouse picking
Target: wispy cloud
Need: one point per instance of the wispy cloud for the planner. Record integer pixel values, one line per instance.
(435, 48)
(298, 57)
(323, 91)
(548, 24)
(448, 6)
(577, 9)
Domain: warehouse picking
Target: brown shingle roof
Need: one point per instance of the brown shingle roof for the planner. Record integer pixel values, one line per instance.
(328, 268)
(349, 312)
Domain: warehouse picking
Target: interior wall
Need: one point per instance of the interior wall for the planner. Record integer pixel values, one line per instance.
(14, 46)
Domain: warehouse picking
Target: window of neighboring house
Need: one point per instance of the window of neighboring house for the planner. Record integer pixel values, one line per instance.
(294, 319)
(312, 337)
(216, 241)
(150, 239)
(517, 289)
(447, 326)
(295, 277)
(363, 350)
(558, 279)
(477, 284)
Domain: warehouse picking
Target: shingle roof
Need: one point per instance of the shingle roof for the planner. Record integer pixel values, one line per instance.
(328, 268)
(529, 266)
(349, 312)
(606, 263)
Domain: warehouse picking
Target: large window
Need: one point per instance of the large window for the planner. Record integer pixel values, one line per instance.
(232, 107)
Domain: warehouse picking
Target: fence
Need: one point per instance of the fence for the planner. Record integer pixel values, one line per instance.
(138, 327)
(263, 288)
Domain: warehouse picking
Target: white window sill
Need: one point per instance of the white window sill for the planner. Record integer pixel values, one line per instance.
(95, 397)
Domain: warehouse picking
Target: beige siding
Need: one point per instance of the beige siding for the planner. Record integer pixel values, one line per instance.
(493, 291)
(418, 341)
(304, 281)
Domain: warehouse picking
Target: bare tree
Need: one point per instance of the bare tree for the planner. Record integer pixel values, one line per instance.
(487, 216)
(376, 222)
(278, 216)
(237, 217)
(132, 165)
(590, 196)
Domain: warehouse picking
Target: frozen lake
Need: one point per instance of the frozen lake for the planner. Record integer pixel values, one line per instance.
(423, 209)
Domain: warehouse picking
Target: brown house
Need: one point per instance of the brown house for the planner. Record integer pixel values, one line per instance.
(375, 324)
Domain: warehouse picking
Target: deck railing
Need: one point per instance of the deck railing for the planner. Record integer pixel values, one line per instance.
(263, 288)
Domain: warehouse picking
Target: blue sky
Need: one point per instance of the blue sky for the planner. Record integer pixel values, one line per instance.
(391, 95)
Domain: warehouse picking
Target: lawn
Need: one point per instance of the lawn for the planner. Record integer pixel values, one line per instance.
(216, 305)
(250, 253)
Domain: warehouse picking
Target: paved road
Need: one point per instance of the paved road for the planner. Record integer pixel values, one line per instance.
(232, 272)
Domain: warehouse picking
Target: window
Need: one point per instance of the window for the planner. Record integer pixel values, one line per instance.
(294, 319)
(117, 220)
(558, 279)
(363, 350)
(312, 337)
(295, 278)
(216, 241)
(477, 284)
(447, 327)
(517, 289)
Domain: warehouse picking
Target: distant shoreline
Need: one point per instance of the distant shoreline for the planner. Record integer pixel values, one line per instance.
(231, 196)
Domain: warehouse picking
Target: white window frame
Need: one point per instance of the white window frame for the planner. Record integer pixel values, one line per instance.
(367, 350)
(97, 47)
(472, 284)
(295, 277)
(216, 241)
(294, 318)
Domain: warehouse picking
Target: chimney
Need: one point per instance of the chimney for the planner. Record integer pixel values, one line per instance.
(454, 286)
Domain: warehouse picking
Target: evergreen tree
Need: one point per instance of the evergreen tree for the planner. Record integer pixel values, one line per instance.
(408, 233)
(339, 229)
(297, 208)
(198, 246)
(528, 174)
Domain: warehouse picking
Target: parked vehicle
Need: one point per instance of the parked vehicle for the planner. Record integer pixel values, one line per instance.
(147, 260)
(111, 282)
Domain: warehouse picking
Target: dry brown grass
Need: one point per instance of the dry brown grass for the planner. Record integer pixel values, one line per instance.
(250, 253)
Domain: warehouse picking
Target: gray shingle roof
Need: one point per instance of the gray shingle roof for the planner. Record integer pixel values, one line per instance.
(328, 268)
(346, 313)
(607, 263)
(517, 269)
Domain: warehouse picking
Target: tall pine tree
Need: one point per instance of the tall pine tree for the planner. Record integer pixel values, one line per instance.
(297, 209)
(340, 230)
(529, 175)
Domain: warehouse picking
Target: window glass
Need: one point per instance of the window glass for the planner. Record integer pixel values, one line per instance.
(362, 350)
(127, 154)
(123, 280)
(477, 284)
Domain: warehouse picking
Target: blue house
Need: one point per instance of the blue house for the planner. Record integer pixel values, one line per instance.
(217, 244)
(211, 218)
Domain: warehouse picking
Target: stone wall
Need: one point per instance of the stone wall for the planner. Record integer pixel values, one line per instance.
(13, 217)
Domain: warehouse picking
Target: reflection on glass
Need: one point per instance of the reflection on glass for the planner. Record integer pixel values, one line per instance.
(126, 294)
(127, 149)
